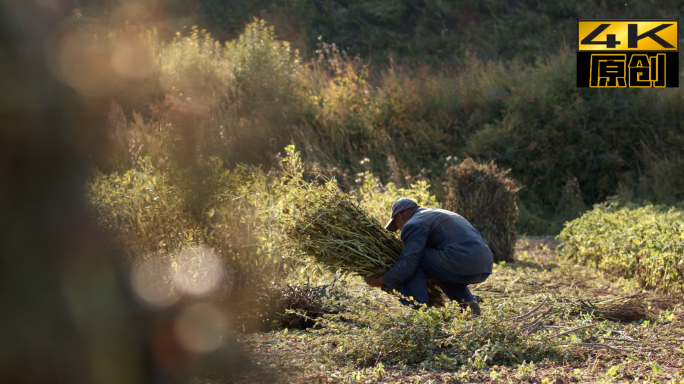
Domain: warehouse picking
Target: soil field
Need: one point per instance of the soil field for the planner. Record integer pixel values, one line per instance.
(649, 349)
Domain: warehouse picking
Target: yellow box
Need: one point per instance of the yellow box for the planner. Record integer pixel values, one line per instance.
(628, 35)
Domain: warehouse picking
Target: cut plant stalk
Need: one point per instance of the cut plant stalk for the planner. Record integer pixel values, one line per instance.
(330, 227)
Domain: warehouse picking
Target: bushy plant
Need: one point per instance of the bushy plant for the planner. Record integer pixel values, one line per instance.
(152, 211)
(205, 98)
(568, 147)
(245, 212)
(646, 243)
(239, 212)
(553, 133)
(257, 62)
(145, 210)
(432, 32)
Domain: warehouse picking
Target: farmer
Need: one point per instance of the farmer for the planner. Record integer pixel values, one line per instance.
(440, 245)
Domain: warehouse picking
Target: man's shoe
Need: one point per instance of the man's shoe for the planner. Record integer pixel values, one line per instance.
(474, 308)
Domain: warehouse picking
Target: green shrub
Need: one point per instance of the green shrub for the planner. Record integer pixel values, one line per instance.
(152, 211)
(256, 62)
(553, 134)
(145, 210)
(568, 147)
(436, 32)
(646, 243)
(204, 98)
(244, 211)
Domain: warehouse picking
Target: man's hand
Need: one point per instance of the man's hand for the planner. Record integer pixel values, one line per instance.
(374, 281)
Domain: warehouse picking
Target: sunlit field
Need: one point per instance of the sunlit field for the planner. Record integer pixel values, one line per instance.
(194, 192)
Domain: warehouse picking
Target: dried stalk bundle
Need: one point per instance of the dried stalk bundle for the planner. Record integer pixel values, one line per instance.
(329, 226)
(535, 318)
(614, 308)
(568, 299)
(623, 308)
(486, 197)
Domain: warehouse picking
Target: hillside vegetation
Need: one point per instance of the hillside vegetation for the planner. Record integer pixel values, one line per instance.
(244, 100)
(436, 32)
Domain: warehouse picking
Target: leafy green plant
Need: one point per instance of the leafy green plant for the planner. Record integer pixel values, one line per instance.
(365, 334)
(643, 242)
(146, 211)
(239, 213)
(152, 211)
(425, 32)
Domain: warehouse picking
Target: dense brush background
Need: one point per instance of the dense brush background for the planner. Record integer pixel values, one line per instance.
(412, 86)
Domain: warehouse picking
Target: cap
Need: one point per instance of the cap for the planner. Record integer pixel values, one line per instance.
(400, 205)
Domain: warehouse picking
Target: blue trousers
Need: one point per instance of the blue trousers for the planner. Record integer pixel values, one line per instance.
(454, 286)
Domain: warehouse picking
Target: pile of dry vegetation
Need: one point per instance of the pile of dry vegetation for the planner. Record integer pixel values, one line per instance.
(488, 199)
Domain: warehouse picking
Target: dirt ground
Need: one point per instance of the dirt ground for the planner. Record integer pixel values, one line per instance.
(649, 348)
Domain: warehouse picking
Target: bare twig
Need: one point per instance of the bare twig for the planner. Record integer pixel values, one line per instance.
(442, 336)
(538, 319)
(532, 329)
(530, 313)
(570, 331)
(627, 338)
(594, 345)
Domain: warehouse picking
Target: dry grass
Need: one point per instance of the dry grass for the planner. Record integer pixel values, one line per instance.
(604, 351)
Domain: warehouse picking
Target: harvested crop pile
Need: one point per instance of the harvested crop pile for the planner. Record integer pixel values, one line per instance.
(330, 227)
(623, 308)
(487, 198)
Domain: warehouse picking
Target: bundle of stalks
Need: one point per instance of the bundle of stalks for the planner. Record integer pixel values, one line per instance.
(533, 320)
(486, 197)
(568, 299)
(330, 227)
(623, 308)
(301, 305)
(613, 308)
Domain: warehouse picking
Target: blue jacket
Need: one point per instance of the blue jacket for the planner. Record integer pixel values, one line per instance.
(447, 238)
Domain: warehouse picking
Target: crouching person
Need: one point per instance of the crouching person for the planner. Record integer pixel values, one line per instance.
(440, 245)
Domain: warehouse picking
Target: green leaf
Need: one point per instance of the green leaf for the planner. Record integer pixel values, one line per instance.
(657, 369)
